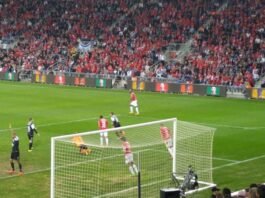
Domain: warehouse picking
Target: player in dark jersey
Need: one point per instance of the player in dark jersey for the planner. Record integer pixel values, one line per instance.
(31, 130)
(15, 155)
(114, 119)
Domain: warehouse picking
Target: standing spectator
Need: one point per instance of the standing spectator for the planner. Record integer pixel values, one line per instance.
(227, 193)
(261, 191)
(133, 103)
(102, 125)
(253, 192)
(215, 192)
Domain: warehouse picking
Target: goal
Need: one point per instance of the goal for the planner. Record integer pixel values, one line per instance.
(81, 167)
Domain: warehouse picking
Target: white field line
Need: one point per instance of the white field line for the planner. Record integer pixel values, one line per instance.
(231, 126)
(95, 160)
(223, 159)
(73, 164)
(210, 124)
(233, 162)
(54, 123)
(239, 162)
(153, 183)
(130, 189)
(95, 118)
(215, 168)
(57, 123)
(203, 157)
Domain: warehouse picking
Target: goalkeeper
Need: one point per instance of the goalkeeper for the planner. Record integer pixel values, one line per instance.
(79, 142)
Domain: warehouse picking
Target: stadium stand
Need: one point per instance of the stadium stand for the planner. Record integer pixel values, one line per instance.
(131, 38)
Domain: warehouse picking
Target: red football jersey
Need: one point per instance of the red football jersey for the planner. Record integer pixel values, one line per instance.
(165, 133)
(133, 96)
(102, 123)
(126, 147)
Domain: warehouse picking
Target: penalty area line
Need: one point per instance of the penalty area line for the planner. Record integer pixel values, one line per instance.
(54, 123)
(205, 124)
(215, 168)
(239, 162)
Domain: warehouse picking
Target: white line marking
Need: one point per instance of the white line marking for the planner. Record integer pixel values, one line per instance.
(209, 124)
(54, 123)
(239, 162)
(58, 123)
(230, 126)
(215, 168)
(204, 157)
(69, 165)
(233, 162)
(94, 118)
(130, 189)
(223, 159)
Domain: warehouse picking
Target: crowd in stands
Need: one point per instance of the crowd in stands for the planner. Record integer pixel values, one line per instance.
(231, 48)
(253, 191)
(130, 38)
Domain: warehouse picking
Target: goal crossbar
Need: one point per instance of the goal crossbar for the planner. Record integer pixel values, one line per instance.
(115, 129)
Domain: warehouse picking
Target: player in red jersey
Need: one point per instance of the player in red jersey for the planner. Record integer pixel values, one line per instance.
(133, 103)
(166, 137)
(102, 125)
(128, 155)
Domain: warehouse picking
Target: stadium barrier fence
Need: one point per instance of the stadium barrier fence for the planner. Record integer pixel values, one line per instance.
(141, 84)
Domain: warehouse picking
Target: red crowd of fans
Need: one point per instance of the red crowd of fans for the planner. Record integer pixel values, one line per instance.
(231, 49)
(130, 36)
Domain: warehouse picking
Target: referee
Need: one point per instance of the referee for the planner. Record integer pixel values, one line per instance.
(15, 155)
(31, 130)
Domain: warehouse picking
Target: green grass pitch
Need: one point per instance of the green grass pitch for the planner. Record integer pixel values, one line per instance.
(239, 151)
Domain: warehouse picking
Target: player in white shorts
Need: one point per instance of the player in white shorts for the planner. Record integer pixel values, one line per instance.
(102, 125)
(128, 155)
(133, 103)
(166, 137)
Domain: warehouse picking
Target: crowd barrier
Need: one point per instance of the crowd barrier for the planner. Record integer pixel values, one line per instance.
(100, 81)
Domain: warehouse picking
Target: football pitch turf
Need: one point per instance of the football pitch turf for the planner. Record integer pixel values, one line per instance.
(238, 149)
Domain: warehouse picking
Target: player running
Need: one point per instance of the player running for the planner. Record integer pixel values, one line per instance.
(115, 121)
(133, 103)
(15, 155)
(102, 125)
(128, 155)
(166, 137)
(31, 129)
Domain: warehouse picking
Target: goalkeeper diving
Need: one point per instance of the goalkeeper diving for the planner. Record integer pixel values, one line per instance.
(79, 143)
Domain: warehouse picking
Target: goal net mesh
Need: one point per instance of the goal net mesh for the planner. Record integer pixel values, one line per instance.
(101, 171)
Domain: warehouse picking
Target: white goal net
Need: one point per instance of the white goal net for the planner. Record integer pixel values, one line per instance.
(81, 167)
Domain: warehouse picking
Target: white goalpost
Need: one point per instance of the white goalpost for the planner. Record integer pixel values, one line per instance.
(81, 167)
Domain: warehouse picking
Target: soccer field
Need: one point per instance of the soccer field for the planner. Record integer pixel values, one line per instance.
(238, 150)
